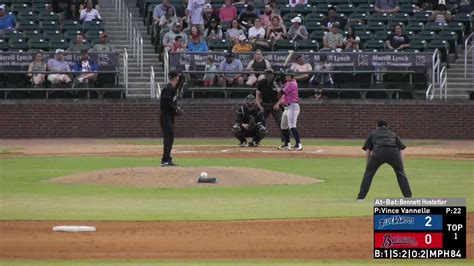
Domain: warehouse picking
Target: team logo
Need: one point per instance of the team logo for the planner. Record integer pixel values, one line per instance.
(393, 241)
(420, 60)
(363, 60)
(395, 220)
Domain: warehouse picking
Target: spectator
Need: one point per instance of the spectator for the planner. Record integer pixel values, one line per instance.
(274, 6)
(351, 41)
(228, 12)
(7, 21)
(89, 13)
(103, 45)
(38, 65)
(441, 15)
(61, 7)
(293, 3)
(234, 32)
(247, 19)
(87, 68)
(321, 76)
(464, 6)
(243, 46)
(257, 35)
(276, 31)
(318, 93)
(209, 15)
(397, 41)
(194, 12)
(208, 79)
(229, 65)
(79, 45)
(167, 21)
(426, 5)
(258, 64)
(161, 10)
(245, 9)
(178, 44)
(267, 16)
(301, 66)
(58, 65)
(333, 40)
(181, 13)
(197, 44)
(213, 31)
(83, 4)
(331, 18)
(170, 36)
(297, 31)
(387, 6)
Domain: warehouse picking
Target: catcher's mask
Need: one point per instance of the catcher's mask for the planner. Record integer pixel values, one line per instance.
(250, 102)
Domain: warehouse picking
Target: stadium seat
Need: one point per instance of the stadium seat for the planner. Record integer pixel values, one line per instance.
(52, 34)
(415, 27)
(374, 44)
(358, 26)
(380, 17)
(284, 45)
(40, 7)
(400, 17)
(289, 16)
(27, 34)
(382, 35)
(49, 25)
(364, 35)
(4, 46)
(303, 9)
(314, 17)
(307, 45)
(364, 8)
(407, 8)
(13, 35)
(18, 45)
(426, 35)
(92, 35)
(27, 16)
(48, 16)
(451, 37)
(92, 25)
(362, 17)
(442, 46)
(36, 44)
(71, 34)
(28, 25)
(72, 25)
(20, 7)
(58, 44)
(346, 8)
(317, 35)
(338, 2)
(284, 9)
(417, 45)
(323, 7)
(421, 17)
(218, 45)
(466, 19)
(435, 26)
(313, 25)
(375, 26)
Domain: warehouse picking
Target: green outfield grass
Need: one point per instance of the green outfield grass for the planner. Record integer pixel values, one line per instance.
(232, 263)
(26, 194)
(271, 141)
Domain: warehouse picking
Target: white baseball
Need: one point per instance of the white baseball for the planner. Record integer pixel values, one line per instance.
(203, 174)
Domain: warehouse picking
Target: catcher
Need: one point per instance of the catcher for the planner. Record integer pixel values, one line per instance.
(249, 122)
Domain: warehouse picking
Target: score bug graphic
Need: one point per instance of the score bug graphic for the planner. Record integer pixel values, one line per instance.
(419, 228)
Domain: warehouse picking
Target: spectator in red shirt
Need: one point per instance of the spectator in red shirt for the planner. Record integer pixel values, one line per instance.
(228, 12)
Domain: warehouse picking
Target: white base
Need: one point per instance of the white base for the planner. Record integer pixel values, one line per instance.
(74, 228)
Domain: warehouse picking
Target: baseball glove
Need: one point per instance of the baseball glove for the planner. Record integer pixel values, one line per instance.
(179, 111)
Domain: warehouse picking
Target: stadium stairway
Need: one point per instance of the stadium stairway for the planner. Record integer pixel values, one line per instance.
(139, 86)
(457, 84)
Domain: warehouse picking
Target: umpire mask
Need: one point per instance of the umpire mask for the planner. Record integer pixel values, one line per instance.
(250, 102)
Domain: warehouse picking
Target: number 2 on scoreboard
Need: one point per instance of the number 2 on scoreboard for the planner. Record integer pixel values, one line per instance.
(428, 221)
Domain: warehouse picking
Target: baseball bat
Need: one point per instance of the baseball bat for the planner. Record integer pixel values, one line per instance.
(288, 58)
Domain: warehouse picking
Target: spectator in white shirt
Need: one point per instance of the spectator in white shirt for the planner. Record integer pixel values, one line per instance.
(257, 35)
(89, 14)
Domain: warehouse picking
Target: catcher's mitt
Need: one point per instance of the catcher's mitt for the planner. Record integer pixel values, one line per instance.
(179, 112)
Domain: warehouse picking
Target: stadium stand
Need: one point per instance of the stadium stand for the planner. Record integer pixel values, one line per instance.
(372, 29)
(45, 26)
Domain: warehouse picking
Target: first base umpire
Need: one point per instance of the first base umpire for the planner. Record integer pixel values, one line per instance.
(384, 146)
(169, 109)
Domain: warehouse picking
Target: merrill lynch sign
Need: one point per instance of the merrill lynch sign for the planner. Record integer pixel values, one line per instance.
(345, 61)
(104, 60)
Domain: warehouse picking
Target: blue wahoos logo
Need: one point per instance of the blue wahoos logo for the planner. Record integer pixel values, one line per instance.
(394, 220)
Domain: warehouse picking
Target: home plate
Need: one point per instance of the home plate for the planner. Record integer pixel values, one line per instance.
(316, 151)
(247, 150)
(224, 150)
(74, 228)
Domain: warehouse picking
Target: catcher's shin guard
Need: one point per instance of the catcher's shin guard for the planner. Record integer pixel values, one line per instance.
(238, 132)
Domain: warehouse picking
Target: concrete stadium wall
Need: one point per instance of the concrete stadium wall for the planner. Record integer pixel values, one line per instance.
(206, 118)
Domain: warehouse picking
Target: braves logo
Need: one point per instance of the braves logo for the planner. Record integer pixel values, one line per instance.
(420, 60)
(363, 60)
(393, 241)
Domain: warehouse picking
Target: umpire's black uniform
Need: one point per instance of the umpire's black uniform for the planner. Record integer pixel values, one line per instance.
(269, 96)
(169, 108)
(385, 147)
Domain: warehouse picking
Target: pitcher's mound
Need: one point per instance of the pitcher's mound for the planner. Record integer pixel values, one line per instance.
(179, 177)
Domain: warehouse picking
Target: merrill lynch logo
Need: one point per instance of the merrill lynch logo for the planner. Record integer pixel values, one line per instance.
(363, 60)
(392, 241)
(394, 220)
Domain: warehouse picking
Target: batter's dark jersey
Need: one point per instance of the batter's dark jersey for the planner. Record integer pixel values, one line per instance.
(168, 100)
(382, 137)
(268, 93)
